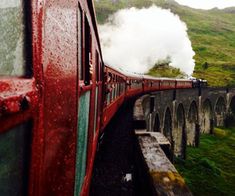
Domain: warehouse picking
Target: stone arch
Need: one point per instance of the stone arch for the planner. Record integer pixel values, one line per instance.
(230, 118)
(232, 106)
(192, 125)
(157, 125)
(220, 111)
(207, 117)
(167, 129)
(179, 134)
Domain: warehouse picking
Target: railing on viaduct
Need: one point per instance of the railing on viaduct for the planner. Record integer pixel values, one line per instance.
(183, 114)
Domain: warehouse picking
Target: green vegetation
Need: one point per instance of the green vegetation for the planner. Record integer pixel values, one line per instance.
(211, 32)
(210, 169)
(165, 70)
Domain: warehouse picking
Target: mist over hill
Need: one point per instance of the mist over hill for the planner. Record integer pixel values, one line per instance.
(11, 39)
(212, 33)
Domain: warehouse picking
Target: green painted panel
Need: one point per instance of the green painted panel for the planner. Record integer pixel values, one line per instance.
(14, 160)
(83, 119)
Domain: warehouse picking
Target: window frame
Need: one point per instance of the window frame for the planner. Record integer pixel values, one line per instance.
(27, 41)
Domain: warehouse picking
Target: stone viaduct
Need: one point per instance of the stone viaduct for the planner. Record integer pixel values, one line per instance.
(183, 114)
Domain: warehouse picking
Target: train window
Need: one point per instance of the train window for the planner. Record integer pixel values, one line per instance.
(14, 44)
(97, 67)
(79, 41)
(109, 79)
(88, 55)
(14, 160)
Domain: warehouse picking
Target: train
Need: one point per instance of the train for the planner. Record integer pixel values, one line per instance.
(57, 96)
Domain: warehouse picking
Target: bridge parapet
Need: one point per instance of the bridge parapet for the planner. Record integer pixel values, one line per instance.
(165, 178)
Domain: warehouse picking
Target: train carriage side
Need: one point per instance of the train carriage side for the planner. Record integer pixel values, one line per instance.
(21, 134)
(113, 93)
(183, 83)
(90, 92)
(134, 86)
(167, 83)
(151, 84)
(50, 96)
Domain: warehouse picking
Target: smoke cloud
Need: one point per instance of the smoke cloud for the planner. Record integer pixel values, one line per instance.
(135, 39)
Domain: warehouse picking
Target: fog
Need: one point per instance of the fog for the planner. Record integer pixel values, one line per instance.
(9, 3)
(135, 39)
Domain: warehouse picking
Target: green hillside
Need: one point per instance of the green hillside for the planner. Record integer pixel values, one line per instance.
(211, 32)
(210, 169)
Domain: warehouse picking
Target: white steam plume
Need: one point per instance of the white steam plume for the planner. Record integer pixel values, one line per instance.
(135, 39)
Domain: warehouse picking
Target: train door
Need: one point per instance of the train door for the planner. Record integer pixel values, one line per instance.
(60, 84)
(84, 93)
(18, 100)
(89, 98)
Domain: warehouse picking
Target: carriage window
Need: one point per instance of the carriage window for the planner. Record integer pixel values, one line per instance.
(13, 38)
(14, 160)
(79, 41)
(88, 55)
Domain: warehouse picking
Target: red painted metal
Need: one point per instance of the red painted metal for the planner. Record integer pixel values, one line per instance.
(50, 98)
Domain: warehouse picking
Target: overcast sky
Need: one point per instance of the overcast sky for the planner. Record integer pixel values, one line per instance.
(207, 4)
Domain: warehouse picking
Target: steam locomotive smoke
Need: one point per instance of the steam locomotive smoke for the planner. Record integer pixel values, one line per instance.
(135, 39)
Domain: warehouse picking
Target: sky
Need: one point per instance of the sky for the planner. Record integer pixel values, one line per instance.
(207, 4)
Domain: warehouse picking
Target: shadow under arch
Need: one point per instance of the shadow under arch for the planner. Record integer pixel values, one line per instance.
(179, 133)
(220, 111)
(157, 125)
(232, 105)
(167, 130)
(192, 125)
(230, 118)
(207, 117)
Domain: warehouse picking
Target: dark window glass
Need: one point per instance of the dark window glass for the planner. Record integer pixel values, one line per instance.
(14, 160)
(79, 31)
(14, 38)
(87, 54)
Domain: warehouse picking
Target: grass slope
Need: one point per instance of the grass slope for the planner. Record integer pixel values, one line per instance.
(210, 169)
(212, 34)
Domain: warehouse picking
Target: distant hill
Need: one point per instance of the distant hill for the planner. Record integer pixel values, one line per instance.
(212, 33)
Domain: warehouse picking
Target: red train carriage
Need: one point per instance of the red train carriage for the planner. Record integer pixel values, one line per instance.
(50, 96)
(113, 94)
(151, 84)
(134, 85)
(167, 83)
(183, 83)
(53, 101)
